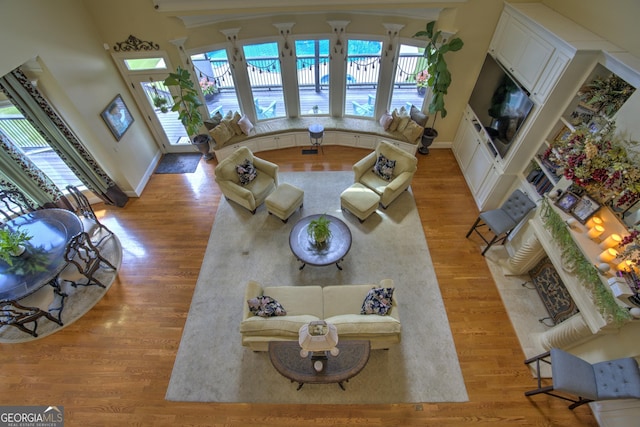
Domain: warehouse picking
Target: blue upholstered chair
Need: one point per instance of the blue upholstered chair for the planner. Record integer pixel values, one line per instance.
(611, 379)
(503, 220)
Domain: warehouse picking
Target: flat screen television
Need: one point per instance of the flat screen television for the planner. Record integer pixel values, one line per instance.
(501, 104)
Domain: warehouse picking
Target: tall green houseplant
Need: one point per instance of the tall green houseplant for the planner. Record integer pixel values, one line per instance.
(439, 75)
(187, 104)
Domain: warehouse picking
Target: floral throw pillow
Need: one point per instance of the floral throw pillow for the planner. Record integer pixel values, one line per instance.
(265, 306)
(384, 167)
(378, 301)
(246, 172)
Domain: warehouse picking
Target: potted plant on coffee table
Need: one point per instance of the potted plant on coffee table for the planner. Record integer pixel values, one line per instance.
(187, 104)
(439, 77)
(319, 229)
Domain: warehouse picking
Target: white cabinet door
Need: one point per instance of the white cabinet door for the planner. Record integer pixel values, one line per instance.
(478, 168)
(465, 143)
(521, 51)
(285, 140)
(549, 77)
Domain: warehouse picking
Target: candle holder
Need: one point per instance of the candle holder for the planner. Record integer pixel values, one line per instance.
(595, 232)
(611, 242)
(608, 255)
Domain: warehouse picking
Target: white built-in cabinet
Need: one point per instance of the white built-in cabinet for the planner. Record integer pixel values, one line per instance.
(301, 139)
(478, 161)
(552, 57)
(520, 50)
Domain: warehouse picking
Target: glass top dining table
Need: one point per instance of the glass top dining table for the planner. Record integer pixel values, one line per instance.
(51, 230)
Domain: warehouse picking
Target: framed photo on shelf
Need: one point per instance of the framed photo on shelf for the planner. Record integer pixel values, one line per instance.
(582, 115)
(117, 117)
(584, 208)
(567, 201)
(563, 134)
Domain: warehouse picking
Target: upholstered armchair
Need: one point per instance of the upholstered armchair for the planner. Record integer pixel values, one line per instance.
(250, 194)
(401, 174)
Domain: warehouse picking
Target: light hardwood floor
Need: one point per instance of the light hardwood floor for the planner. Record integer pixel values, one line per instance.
(112, 366)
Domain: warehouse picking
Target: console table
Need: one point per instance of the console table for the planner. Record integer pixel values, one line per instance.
(353, 357)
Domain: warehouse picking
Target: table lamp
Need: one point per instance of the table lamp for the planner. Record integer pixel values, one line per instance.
(318, 338)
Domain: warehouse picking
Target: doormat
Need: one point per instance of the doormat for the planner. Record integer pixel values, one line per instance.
(310, 151)
(552, 291)
(179, 163)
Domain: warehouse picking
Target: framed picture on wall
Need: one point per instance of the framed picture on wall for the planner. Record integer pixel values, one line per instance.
(584, 208)
(117, 117)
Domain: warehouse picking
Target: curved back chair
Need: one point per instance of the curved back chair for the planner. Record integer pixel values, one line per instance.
(90, 222)
(248, 194)
(404, 168)
(14, 203)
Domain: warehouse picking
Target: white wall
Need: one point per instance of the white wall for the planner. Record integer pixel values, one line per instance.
(79, 77)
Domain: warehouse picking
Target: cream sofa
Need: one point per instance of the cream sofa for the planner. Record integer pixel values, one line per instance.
(338, 304)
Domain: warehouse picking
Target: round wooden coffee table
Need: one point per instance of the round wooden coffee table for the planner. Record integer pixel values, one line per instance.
(353, 357)
(331, 252)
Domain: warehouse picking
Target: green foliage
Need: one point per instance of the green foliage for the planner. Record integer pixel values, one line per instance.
(586, 272)
(10, 242)
(187, 102)
(318, 229)
(439, 76)
(606, 94)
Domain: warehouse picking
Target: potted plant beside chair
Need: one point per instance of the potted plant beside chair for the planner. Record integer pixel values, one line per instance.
(439, 77)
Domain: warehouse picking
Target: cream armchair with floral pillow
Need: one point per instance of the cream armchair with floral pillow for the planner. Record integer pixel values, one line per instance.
(246, 179)
(388, 171)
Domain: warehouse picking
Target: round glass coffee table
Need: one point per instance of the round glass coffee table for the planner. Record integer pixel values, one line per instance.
(330, 252)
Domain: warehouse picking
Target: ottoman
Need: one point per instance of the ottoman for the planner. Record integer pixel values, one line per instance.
(284, 201)
(360, 201)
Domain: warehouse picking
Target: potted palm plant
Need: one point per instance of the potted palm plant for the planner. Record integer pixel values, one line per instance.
(318, 229)
(439, 77)
(187, 104)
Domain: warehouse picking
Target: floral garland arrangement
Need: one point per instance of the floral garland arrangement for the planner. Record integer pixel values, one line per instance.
(585, 270)
(630, 245)
(599, 163)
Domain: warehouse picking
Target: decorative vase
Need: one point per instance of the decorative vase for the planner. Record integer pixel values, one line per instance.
(18, 251)
(201, 142)
(427, 139)
(421, 90)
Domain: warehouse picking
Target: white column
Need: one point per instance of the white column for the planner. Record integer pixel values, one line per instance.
(566, 334)
(525, 258)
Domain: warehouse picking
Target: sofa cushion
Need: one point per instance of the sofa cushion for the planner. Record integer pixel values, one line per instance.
(418, 116)
(404, 119)
(344, 299)
(378, 301)
(245, 125)
(385, 120)
(384, 167)
(395, 120)
(287, 326)
(234, 123)
(221, 134)
(265, 306)
(360, 324)
(413, 131)
(299, 300)
(213, 121)
(246, 172)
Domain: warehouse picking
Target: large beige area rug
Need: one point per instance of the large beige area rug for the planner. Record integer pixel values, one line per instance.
(211, 364)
